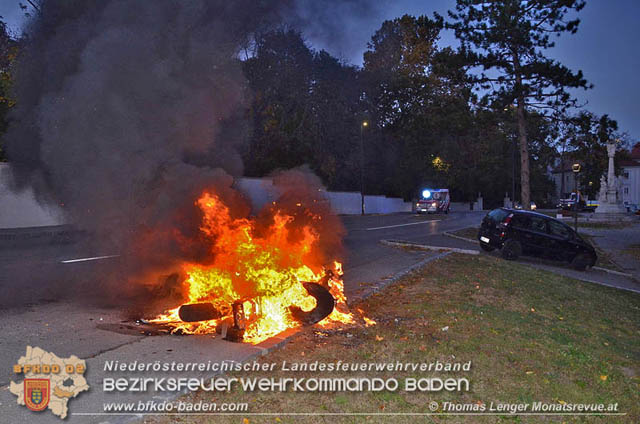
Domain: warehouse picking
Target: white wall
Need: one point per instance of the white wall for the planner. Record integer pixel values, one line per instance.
(459, 206)
(261, 191)
(21, 209)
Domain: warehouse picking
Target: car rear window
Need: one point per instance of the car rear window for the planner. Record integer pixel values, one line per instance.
(498, 215)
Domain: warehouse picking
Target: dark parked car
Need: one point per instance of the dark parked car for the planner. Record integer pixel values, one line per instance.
(519, 232)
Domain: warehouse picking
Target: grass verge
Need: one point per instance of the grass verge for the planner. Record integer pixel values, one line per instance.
(470, 233)
(531, 336)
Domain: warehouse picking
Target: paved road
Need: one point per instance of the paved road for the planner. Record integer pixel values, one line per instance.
(39, 307)
(40, 310)
(617, 243)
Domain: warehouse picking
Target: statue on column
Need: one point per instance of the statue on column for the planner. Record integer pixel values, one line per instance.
(608, 197)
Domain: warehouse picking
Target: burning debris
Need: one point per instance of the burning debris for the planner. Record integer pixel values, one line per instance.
(324, 305)
(129, 121)
(267, 273)
(194, 312)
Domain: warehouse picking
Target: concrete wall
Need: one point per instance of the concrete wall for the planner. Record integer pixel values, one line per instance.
(459, 206)
(18, 210)
(350, 203)
(259, 190)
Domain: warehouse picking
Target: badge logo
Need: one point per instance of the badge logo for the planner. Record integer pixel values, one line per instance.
(36, 393)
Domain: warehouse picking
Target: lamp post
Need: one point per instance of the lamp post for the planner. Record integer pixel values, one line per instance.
(576, 170)
(364, 125)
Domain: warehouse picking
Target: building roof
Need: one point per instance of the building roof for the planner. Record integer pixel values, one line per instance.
(635, 157)
(627, 163)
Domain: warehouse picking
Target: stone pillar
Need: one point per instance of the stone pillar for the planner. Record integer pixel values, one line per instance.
(610, 204)
(611, 174)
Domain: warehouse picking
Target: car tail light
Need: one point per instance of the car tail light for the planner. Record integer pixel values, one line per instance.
(504, 224)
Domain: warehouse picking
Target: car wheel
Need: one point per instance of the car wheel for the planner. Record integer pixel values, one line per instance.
(511, 250)
(581, 261)
(486, 247)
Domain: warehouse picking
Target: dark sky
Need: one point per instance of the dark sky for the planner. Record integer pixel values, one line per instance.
(606, 47)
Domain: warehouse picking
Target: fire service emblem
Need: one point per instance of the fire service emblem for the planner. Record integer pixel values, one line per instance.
(50, 382)
(36, 393)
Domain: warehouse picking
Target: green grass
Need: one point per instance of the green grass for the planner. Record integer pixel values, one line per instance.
(470, 233)
(531, 336)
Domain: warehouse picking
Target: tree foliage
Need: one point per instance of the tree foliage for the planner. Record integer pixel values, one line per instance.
(470, 120)
(8, 52)
(417, 99)
(305, 110)
(507, 40)
(587, 136)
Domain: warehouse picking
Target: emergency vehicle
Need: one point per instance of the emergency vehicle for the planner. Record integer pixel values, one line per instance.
(434, 201)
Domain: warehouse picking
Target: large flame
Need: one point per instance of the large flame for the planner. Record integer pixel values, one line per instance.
(261, 265)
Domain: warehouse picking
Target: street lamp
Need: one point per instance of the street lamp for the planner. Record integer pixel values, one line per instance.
(576, 170)
(364, 125)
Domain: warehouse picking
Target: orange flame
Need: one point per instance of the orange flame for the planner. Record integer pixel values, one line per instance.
(263, 267)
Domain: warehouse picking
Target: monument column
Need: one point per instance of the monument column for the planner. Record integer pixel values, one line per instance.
(610, 202)
(611, 174)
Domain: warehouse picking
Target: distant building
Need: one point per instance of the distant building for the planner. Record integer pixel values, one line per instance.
(563, 177)
(630, 177)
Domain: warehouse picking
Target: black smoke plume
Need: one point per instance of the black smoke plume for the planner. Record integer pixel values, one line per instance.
(127, 110)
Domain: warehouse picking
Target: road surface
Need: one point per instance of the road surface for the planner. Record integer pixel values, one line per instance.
(39, 309)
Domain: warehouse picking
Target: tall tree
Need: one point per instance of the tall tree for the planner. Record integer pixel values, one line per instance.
(279, 75)
(506, 39)
(305, 110)
(8, 52)
(418, 98)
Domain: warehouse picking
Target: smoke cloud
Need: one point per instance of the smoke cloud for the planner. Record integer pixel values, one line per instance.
(128, 110)
(332, 24)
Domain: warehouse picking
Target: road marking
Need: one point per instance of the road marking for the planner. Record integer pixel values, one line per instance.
(403, 225)
(95, 258)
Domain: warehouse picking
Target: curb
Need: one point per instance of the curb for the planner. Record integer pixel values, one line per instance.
(394, 278)
(280, 340)
(610, 271)
(448, 234)
(597, 268)
(400, 243)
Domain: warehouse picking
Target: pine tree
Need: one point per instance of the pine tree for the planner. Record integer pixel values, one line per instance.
(507, 40)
